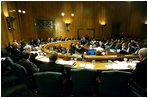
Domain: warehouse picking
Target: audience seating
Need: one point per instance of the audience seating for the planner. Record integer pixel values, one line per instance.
(9, 61)
(11, 86)
(23, 76)
(84, 82)
(4, 52)
(19, 90)
(137, 90)
(114, 84)
(49, 84)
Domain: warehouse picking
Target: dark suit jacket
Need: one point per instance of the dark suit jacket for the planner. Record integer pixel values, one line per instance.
(131, 50)
(16, 54)
(52, 66)
(140, 73)
(29, 66)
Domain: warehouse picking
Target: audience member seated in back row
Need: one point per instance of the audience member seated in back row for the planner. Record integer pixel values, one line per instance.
(29, 66)
(16, 52)
(140, 72)
(33, 55)
(52, 66)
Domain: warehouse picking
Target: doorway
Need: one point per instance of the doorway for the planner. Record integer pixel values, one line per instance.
(86, 32)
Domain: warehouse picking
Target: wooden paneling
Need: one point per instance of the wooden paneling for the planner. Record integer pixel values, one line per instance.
(6, 35)
(87, 15)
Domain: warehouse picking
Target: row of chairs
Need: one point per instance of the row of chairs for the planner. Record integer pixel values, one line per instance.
(112, 83)
(85, 82)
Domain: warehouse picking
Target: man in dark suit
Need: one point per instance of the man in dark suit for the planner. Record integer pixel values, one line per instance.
(140, 72)
(130, 49)
(33, 55)
(25, 62)
(16, 52)
(52, 66)
(127, 50)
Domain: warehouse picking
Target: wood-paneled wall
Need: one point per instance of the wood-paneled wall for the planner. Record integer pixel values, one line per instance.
(87, 14)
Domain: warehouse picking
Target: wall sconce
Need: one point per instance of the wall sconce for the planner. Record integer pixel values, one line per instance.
(9, 21)
(67, 20)
(67, 26)
(102, 26)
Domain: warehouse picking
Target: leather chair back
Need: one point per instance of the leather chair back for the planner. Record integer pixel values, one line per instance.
(84, 82)
(114, 84)
(49, 84)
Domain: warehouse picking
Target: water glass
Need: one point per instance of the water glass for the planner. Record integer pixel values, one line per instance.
(71, 58)
(93, 62)
(125, 59)
(75, 59)
(109, 62)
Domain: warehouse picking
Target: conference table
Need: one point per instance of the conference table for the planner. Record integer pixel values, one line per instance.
(96, 65)
(108, 61)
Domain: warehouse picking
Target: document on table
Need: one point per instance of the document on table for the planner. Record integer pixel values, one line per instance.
(121, 65)
(42, 58)
(63, 62)
(89, 66)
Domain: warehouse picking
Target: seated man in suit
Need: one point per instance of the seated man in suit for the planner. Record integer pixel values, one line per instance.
(140, 72)
(52, 66)
(16, 52)
(127, 49)
(25, 62)
(130, 49)
(33, 55)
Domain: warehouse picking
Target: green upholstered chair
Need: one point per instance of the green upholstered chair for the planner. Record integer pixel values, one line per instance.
(18, 90)
(114, 84)
(23, 76)
(84, 82)
(49, 84)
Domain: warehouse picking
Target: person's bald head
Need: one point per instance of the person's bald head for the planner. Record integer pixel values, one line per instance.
(142, 53)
